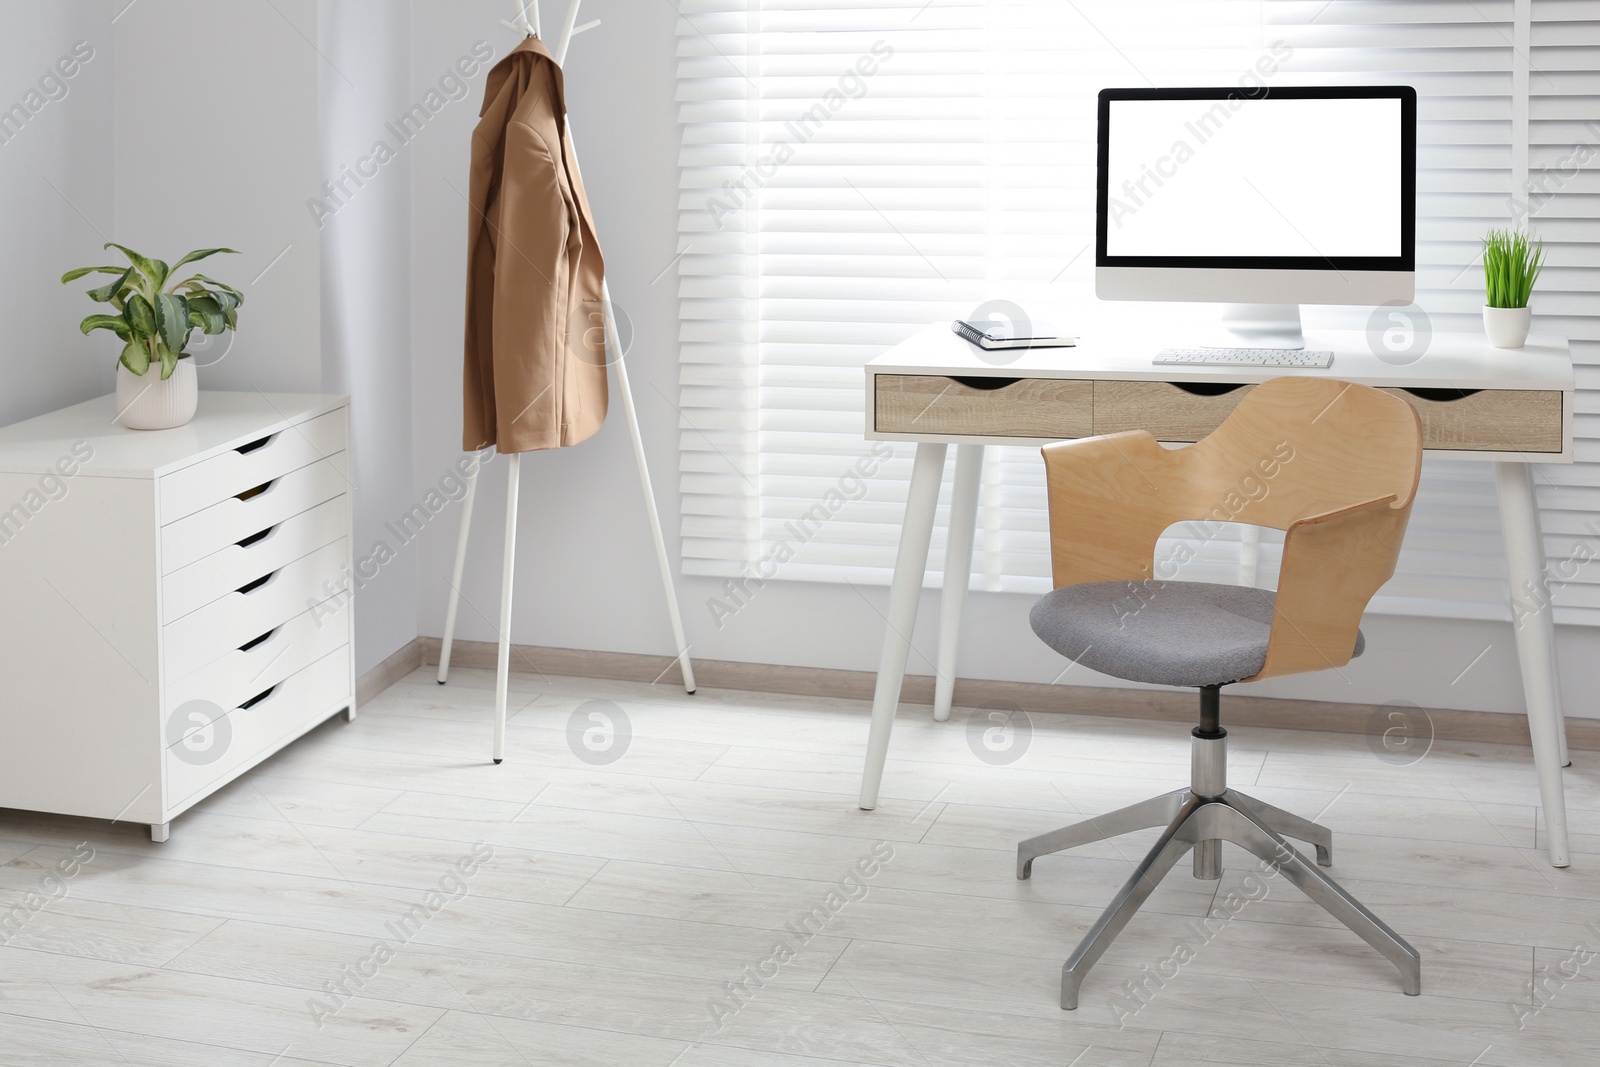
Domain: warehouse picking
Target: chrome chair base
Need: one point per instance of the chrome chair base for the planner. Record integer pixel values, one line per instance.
(1203, 823)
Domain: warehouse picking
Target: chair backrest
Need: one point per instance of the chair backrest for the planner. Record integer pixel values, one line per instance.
(1314, 445)
(1334, 464)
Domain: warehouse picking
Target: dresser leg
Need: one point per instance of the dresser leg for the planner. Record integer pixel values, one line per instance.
(350, 713)
(910, 566)
(1533, 625)
(159, 832)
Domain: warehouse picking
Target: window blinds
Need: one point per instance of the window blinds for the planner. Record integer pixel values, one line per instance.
(850, 173)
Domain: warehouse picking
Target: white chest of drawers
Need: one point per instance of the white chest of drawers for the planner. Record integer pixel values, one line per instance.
(173, 603)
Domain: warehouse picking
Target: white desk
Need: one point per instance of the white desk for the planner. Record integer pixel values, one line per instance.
(1510, 408)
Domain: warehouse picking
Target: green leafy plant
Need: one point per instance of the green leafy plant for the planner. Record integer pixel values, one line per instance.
(1511, 264)
(154, 313)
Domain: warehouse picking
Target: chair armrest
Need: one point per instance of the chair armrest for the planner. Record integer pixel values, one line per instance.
(1110, 499)
(1333, 564)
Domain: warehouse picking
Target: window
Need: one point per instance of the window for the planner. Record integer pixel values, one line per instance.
(852, 173)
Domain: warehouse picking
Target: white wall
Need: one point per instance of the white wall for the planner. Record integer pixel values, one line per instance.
(586, 576)
(57, 207)
(366, 272)
(216, 144)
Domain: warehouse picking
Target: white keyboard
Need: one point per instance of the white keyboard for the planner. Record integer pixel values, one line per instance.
(1244, 357)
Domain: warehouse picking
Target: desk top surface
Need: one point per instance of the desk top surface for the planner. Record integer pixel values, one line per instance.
(1449, 360)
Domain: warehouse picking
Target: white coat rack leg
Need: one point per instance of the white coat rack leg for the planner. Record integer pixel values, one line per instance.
(502, 674)
(455, 575)
(663, 562)
(527, 22)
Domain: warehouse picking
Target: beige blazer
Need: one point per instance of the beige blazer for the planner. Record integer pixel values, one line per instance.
(535, 366)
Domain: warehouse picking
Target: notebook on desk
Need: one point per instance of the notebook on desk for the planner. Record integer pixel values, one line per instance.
(992, 336)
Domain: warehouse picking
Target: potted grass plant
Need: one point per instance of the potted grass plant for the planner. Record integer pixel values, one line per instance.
(154, 317)
(1511, 264)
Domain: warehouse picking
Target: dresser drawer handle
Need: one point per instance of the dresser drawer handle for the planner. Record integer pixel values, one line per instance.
(1440, 396)
(258, 698)
(261, 490)
(258, 641)
(251, 587)
(245, 450)
(1207, 388)
(256, 538)
(984, 382)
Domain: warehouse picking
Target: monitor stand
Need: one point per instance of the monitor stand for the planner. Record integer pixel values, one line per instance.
(1259, 326)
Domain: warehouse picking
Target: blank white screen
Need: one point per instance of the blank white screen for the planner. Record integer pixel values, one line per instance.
(1268, 177)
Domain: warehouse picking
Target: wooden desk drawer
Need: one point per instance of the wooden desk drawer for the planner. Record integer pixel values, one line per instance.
(1047, 408)
(205, 483)
(227, 523)
(1489, 420)
(224, 571)
(245, 736)
(1170, 412)
(240, 617)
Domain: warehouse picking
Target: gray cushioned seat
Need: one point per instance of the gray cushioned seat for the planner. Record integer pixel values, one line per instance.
(1165, 633)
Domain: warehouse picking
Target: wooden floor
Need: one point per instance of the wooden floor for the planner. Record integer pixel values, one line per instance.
(380, 894)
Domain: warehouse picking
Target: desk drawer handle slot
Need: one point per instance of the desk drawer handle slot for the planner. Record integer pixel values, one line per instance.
(258, 698)
(1207, 388)
(1441, 396)
(256, 491)
(245, 450)
(984, 382)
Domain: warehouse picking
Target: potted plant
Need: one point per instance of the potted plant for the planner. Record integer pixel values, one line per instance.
(1511, 264)
(154, 317)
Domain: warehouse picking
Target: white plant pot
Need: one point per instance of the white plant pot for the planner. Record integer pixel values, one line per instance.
(145, 402)
(1507, 327)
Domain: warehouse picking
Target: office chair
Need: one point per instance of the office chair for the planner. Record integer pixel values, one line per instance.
(1333, 465)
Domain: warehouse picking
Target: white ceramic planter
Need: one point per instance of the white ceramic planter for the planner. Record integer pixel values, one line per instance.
(1507, 327)
(145, 402)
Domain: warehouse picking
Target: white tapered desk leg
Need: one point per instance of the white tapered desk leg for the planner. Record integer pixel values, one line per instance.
(1533, 623)
(1561, 709)
(1250, 555)
(662, 560)
(455, 576)
(910, 567)
(957, 570)
(502, 663)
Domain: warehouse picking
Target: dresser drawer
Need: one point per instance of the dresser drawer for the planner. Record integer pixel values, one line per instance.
(195, 537)
(246, 672)
(202, 754)
(238, 618)
(1170, 412)
(205, 483)
(236, 566)
(1047, 408)
(1489, 420)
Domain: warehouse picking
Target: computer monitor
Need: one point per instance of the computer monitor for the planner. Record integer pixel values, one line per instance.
(1263, 198)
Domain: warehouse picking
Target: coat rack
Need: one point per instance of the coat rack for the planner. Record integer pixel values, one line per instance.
(526, 22)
